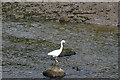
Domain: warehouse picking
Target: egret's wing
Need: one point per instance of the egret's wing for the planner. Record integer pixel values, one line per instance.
(53, 52)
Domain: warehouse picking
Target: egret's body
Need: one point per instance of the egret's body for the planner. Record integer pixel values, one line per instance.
(56, 53)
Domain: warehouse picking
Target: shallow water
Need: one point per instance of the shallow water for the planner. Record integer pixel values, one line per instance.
(26, 44)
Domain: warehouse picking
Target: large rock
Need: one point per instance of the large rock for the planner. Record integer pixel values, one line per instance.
(67, 52)
(54, 73)
(64, 19)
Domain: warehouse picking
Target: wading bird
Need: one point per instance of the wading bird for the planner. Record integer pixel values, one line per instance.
(56, 53)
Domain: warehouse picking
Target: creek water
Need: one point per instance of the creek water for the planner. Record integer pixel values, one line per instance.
(26, 44)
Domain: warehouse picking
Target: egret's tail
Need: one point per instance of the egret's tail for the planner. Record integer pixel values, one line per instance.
(49, 53)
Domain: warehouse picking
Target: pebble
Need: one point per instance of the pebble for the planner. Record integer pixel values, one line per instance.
(76, 67)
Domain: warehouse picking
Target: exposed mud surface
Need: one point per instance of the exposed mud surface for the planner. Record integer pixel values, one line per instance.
(25, 48)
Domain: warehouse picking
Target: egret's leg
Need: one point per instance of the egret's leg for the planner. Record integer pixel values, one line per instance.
(56, 61)
(56, 58)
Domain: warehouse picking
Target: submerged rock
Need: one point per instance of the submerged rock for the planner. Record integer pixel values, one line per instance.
(54, 73)
(67, 52)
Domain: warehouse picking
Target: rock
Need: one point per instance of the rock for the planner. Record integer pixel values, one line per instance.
(73, 67)
(78, 69)
(64, 20)
(108, 10)
(67, 52)
(54, 73)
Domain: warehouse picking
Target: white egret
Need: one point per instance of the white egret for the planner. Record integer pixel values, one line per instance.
(56, 53)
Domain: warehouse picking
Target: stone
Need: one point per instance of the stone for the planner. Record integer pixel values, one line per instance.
(54, 73)
(73, 67)
(67, 52)
(64, 20)
(78, 69)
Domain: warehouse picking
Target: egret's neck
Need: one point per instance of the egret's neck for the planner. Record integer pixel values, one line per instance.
(61, 46)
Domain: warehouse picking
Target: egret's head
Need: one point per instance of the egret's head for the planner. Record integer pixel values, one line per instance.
(63, 41)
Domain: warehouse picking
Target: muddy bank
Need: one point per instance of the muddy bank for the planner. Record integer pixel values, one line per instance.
(103, 13)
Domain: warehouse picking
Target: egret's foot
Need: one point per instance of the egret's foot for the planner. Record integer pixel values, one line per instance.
(56, 63)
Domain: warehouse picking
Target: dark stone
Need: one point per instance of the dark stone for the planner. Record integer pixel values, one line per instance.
(73, 67)
(78, 69)
(67, 52)
(54, 73)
